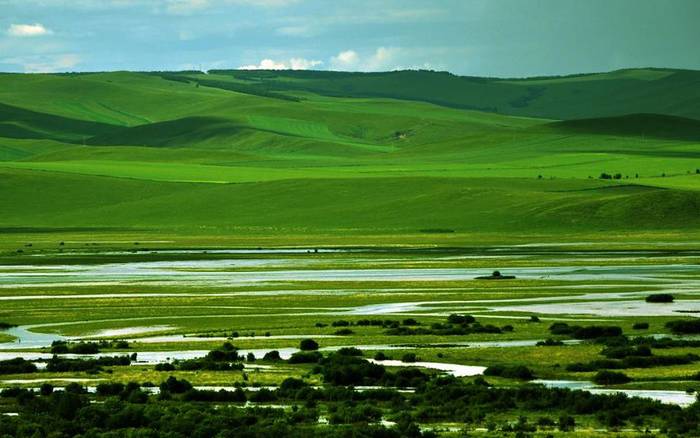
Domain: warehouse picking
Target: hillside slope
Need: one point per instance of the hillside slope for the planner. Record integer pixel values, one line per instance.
(660, 91)
(313, 153)
(635, 125)
(368, 205)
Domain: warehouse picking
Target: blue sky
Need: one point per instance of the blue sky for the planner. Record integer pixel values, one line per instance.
(506, 38)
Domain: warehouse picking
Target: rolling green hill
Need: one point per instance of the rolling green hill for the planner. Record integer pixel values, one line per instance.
(21, 123)
(659, 91)
(236, 152)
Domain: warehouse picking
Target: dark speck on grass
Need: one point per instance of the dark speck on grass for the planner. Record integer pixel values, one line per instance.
(659, 298)
(496, 275)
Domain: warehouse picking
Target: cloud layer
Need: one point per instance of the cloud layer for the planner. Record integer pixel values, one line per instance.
(292, 64)
(28, 30)
(509, 38)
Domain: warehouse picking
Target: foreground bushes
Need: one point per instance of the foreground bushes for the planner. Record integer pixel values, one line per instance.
(344, 369)
(587, 332)
(610, 378)
(182, 412)
(456, 325)
(62, 347)
(60, 365)
(224, 358)
(684, 327)
(511, 372)
(634, 362)
(17, 366)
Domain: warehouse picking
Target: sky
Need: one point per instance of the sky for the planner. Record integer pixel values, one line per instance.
(498, 38)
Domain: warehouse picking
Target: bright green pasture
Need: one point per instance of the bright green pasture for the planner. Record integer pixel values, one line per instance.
(144, 154)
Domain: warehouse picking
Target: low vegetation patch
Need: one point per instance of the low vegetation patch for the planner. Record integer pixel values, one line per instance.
(586, 332)
(610, 378)
(659, 298)
(456, 325)
(634, 362)
(684, 327)
(17, 366)
(60, 365)
(549, 342)
(520, 372)
(63, 347)
(224, 358)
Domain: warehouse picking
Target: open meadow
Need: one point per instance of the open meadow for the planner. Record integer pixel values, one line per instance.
(316, 252)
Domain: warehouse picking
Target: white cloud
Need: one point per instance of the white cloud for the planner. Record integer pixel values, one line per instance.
(388, 59)
(292, 64)
(382, 59)
(265, 64)
(345, 60)
(303, 64)
(28, 30)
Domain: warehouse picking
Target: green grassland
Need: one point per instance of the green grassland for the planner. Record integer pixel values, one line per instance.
(291, 153)
(103, 174)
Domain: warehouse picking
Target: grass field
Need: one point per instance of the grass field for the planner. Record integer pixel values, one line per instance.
(173, 210)
(122, 149)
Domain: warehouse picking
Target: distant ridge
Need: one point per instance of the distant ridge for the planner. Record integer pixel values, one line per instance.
(648, 90)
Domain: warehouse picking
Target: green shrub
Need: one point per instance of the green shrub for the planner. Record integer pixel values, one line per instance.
(659, 298)
(305, 357)
(308, 345)
(684, 327)
(610, 378)
(408, 357)
(520, 372)
(17, 366)
(272, 356)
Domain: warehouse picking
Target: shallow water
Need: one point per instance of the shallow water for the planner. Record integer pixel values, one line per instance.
(26, 338)
(217, 272)
(680, 398)
(241, 272)
(454, 369)
(58, 379)
(166, 339)
(121, 332)
(240, 293)
(612, 308)
(261, 251)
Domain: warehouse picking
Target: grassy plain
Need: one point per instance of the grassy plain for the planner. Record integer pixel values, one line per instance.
(121, 193)
(144, 154)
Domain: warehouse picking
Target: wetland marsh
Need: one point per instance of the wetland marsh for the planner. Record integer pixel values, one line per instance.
(263, 300)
